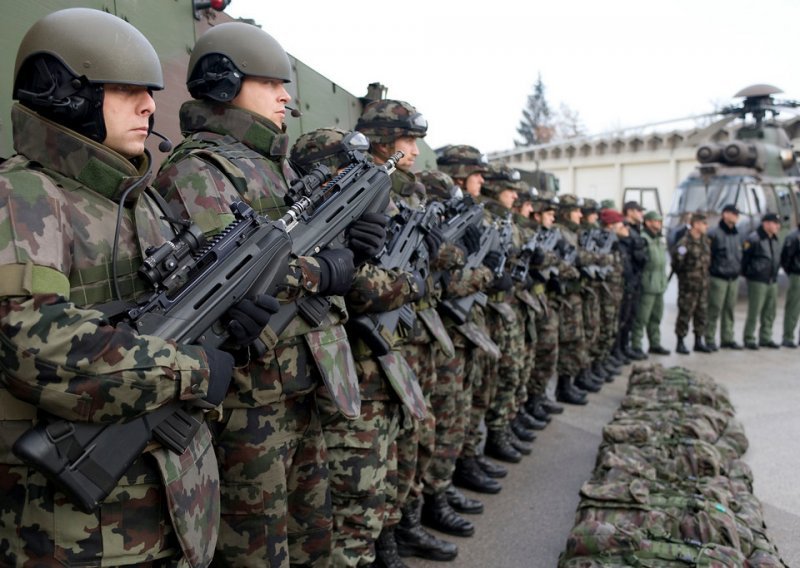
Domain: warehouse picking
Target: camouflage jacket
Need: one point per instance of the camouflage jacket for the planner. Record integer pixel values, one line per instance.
(691, 258)
(230, 154)
(61, 356)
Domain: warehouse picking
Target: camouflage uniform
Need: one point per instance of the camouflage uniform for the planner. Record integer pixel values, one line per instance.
(691, 261)
(59, 206)
(275, 497)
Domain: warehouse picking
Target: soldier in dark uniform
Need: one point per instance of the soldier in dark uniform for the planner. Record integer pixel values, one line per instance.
(634, 216)
(760, 264)
(691, 257)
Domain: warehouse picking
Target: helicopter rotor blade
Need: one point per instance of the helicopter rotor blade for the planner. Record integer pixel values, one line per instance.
(705, 133)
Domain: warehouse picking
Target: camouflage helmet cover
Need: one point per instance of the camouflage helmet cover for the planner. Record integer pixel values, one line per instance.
(320, 146)
(570, 201)
(589, 206)
(460, 161)
(386, 120)
(438, 184)
(607, 204)
(500, 177)
(93, 44)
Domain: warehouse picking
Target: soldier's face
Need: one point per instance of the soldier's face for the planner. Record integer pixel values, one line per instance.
(473, 184)
(525, 209)
(548, 218)
(591, 218)
(771, 227)
(507, 198)
(126, 112)
(407, 145)
(266, 97)
(575, 215)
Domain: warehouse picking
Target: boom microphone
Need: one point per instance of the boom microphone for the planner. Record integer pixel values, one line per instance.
(165, 145)
(293, 111)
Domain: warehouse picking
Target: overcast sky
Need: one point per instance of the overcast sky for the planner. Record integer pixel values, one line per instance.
(469, 67)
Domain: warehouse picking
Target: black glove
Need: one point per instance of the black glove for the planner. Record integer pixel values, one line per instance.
(471, 239)
(220, 366)
(249, 317)
(492, 260)
(502, 283)
(367, 235)
(336, 271)
(433, 240)
(537, 257)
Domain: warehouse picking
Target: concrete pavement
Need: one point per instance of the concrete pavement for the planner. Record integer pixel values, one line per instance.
(527, 523)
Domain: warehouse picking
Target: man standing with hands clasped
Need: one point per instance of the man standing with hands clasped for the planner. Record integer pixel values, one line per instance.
(726, 265)
(760, 263)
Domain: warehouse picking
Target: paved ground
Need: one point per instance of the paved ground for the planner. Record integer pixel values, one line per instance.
(526, 524)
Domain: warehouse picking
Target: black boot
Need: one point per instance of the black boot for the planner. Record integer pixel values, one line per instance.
(600, 372)
(386, 555)
(565, 394)
(534, 407)
(529, 421)
(523, 448)
(584, 382)
(520, 431)
(620, 356)
(499, 447)
(551, 406)
(438, 514)
(612, 369)
(491, 469)
(700, 345)
(413, 540)
(681, 347)
(461, 503)
(469, 475)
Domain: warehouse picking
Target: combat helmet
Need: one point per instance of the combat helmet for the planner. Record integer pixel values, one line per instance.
(569, 201)
(67, 56)
(500, 177)
(590, 206)
(331, 147)
(460, 161)
(439, 185)
(227, 53)
(386, 120)
(529, 195)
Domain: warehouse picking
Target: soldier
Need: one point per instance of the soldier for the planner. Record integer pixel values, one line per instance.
(790, 261)
(83, 79)
(726, 266)
(269, 441)
(691, 257)
(654, 284)
(760, 264)
(634, 216)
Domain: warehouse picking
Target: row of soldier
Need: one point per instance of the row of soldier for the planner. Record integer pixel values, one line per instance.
(320, 449)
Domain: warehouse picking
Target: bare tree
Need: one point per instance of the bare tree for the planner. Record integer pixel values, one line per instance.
(568, 123)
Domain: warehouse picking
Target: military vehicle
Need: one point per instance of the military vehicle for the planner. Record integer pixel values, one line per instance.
(757, 171)
(172, 27)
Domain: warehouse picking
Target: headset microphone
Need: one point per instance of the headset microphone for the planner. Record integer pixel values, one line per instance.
(165, 145)
(293, 111)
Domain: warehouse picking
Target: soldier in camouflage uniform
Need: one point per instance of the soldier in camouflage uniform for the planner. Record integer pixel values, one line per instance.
(466, 165)
(274, 467)
(573, 359)
(84, 80)
(691, 258)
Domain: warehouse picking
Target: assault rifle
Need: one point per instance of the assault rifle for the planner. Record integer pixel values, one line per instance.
(598, 242)
(405, 250)
(195, 283)
(547, 240)
(460, 214)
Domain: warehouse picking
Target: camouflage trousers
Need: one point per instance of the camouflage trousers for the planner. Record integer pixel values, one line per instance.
(528, 360)
(480, 376)
(692, 306)
(508, 332)
(546, 347)
(360, 458)
(590, 296)
(572, 356)
(275, 501)
(416, 441)
(610, 299)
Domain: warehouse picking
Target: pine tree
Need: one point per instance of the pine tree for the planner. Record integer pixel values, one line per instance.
(535, 126)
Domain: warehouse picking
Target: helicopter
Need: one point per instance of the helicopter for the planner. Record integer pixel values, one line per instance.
(757, 171)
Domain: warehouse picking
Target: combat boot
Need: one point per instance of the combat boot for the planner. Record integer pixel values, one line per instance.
(700, 345)
(499, 447)
(469, 475)
(531, 422)
(612, 369)
(413, 540)
(461, 503)
(534, 406)
(635, 354)
(438, 514)
(523, 448)
(584, 382)
(620, 355)
(520, 431)
(491, 469)
(600, 371)
(386, 555)
(565, 394)
(551, 406)
(681, 347)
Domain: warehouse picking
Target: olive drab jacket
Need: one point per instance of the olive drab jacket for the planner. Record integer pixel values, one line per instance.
(60, 355)
(654, 275)
(230, 154)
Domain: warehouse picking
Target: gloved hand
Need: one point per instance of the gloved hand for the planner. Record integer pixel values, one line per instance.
(336, 271)
(367, 235)
(433, 240)
(537, 257)
(471, 239)
(249, 317)
(492, 260)
(502, 283)
(220, 366)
